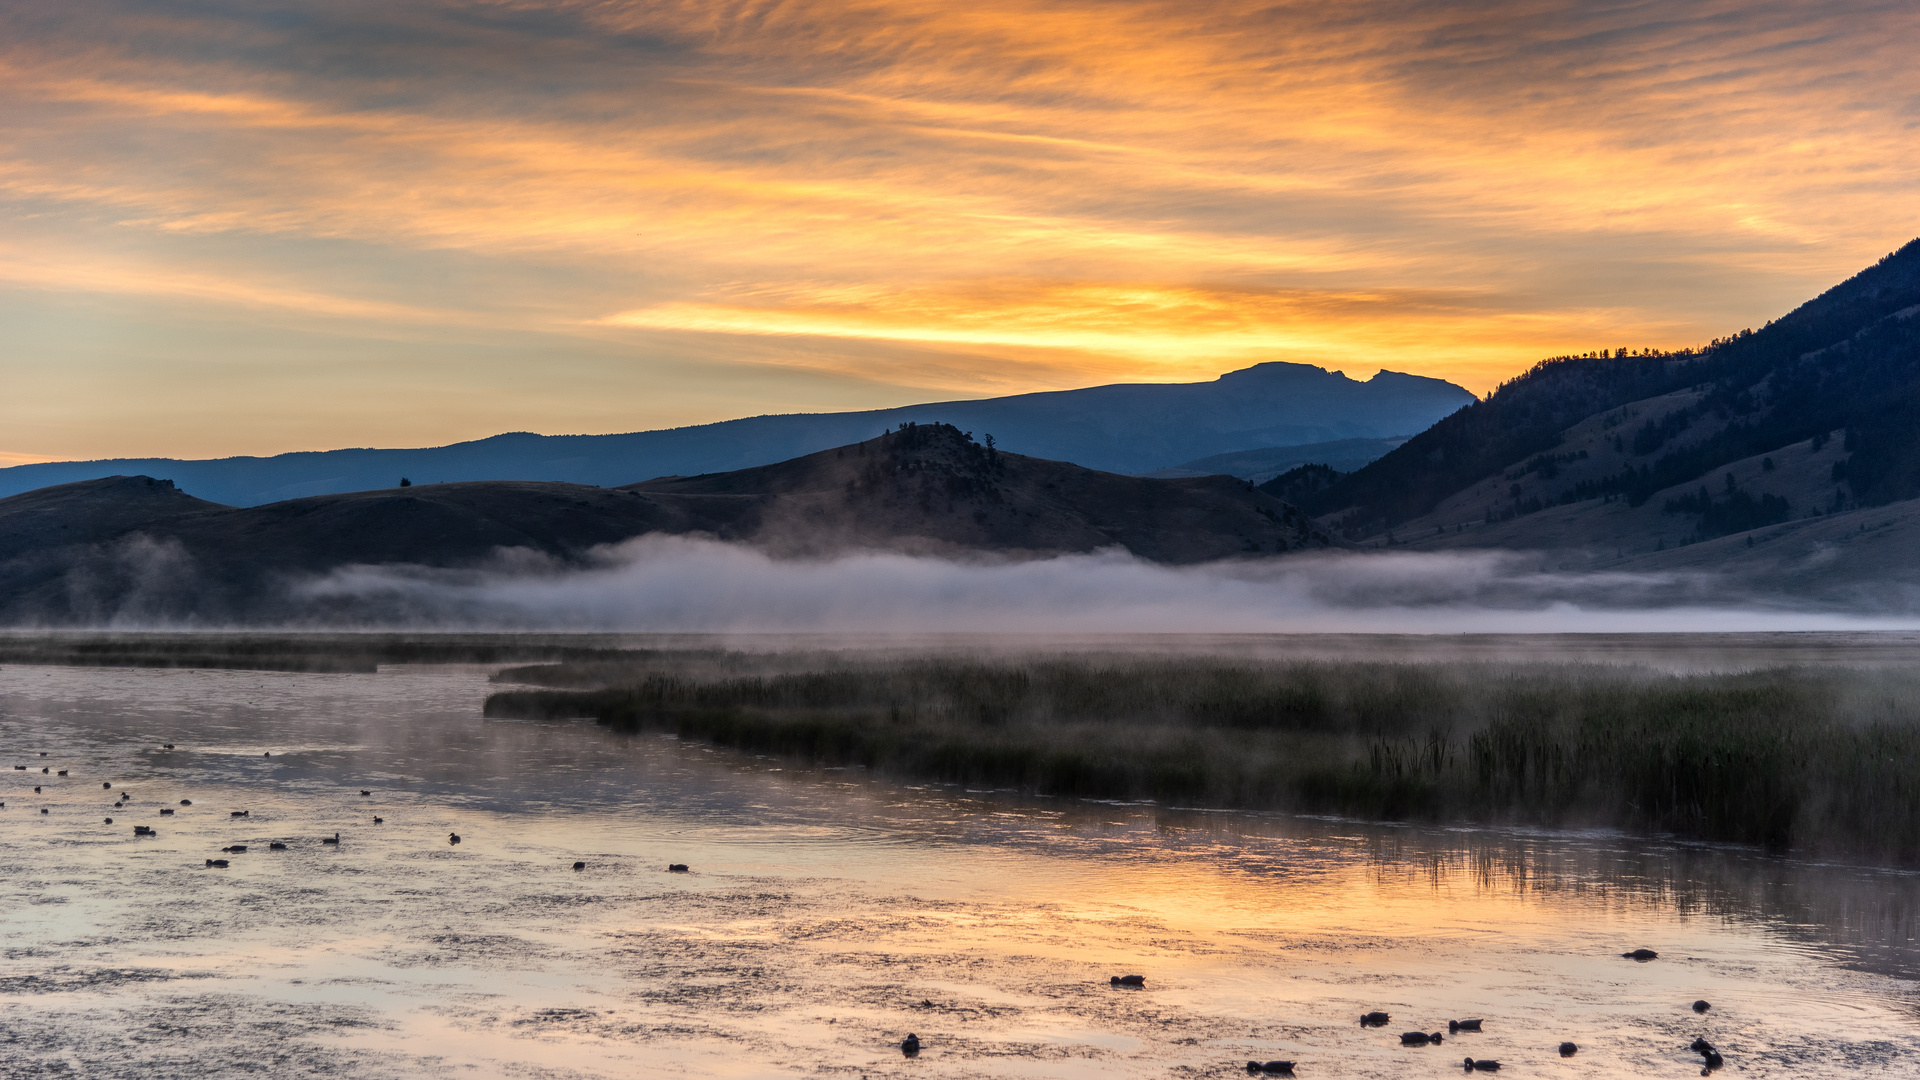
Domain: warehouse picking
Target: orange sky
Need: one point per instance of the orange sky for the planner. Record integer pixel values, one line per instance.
(248, 227)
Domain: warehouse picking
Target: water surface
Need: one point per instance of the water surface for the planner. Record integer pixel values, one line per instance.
(828, 914)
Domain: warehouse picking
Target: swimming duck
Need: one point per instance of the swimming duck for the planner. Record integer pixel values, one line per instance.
(1277, 1068)
(142, 830)
(1701, 1046)
(1701, 1006)
(218, 864)
(364, 791)
(677, 868)
(379, 821)
(1642, 955)
(109, 821)
(240, 813)
(910, 1045)
(334, 839)
(1375, 1019)
(237, 849)
(1568, 1049)
(62, 772)
(106, 785)
(1419, 1038)
(166, 746)
(276, 846)
(166, 811)
(453, 838)
(1127, 980)
(186, 802)
(1463, 1025)
(1483, 1065)
(579, 866)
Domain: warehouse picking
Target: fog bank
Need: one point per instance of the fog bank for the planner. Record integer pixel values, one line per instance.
(668, 583)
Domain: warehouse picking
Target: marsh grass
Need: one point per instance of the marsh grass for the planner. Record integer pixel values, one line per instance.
(1821, 759)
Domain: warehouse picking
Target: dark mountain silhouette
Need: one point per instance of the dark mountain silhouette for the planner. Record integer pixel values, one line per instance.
(1125, 428)
(1266, 462)
(135, 548)
(1817, 412)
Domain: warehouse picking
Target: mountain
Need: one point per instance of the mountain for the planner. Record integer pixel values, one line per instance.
(137, 549)
(1627, 457)
(1123, 428)
(1264, 463)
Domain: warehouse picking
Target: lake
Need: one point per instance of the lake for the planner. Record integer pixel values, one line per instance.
(827, 914)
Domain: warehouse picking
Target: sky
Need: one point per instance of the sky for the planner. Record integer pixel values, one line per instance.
(253, 226)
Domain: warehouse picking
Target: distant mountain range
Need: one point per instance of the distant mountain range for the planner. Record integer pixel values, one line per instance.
(1122, 428)
(136, 549)
(1264, 463)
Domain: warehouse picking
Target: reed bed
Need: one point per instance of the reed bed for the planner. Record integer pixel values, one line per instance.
(1815, 759)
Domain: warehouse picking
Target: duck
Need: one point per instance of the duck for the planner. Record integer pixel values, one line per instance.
(1483, 1065)
(1713, 1060)
(218, 864)
(143, 830)
(453, 838)
(364, 791)
(105, 785)
(1277, 1068)
(62, 772)
(379, 821)
(1700, 1046)
(334, 839)
(1375, 1019)
(109, 821)
(166, 746)
(677, 868)
(579, 866)
(1642, 955)
(910, 1045)
(276, 846)
(1419, 1038)
(186, 802)
(36, 789)
(237, 849)
(166, 811)
(43, 809)
(240, 813)
(1463, 1025)
(1701, 1006)
(1568, 1049)
(1127, 980)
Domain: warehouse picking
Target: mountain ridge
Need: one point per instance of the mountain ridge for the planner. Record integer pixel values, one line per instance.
(135, 548)
(1119, 427)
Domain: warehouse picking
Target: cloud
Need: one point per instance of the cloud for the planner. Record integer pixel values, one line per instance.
(679, 584)
(1573, 175)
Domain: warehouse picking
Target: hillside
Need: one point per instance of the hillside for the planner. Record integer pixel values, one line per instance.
(1125, 428)
(933, 489)
(136, 549)
(1628, 455)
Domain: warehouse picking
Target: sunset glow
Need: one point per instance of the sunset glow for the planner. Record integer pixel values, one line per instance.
(247, 228)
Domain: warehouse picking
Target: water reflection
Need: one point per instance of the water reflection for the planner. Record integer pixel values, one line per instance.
(829, 914)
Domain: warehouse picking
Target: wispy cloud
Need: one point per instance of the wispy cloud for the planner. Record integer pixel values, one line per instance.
(1154, 189)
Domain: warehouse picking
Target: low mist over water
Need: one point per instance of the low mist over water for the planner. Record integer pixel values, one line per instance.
(828, 913)
(660, 583)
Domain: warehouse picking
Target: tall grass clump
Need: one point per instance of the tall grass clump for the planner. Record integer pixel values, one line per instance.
(1825, 759)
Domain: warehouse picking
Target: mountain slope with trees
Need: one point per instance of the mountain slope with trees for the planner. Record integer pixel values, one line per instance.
(1673, 429)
